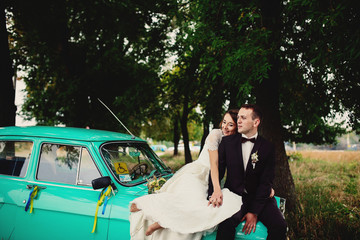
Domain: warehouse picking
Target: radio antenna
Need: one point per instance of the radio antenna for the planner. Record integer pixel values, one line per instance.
(133, 136)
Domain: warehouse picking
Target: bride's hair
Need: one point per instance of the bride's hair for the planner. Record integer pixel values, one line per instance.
(233, 113)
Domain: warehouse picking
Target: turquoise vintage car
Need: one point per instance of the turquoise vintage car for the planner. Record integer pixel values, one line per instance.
(72, 183)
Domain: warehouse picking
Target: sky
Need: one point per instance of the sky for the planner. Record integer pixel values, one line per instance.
(19, 99)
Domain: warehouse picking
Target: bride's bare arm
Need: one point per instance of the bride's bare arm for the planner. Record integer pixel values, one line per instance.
(216, 198)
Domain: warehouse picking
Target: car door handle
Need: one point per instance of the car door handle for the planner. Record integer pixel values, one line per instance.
(30, 186)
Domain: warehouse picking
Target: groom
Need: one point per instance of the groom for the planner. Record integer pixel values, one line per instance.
(250, 163)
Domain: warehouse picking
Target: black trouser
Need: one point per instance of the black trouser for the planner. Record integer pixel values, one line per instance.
(270, 216)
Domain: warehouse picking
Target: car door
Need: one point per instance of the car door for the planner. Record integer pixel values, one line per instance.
(65, 205)
(14, 161)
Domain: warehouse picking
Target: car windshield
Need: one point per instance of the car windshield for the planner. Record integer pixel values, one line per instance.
(132, 163)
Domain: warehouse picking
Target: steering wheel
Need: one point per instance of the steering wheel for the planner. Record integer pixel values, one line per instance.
(139, 169)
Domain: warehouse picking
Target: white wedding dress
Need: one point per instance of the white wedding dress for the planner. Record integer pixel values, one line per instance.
(181, 205)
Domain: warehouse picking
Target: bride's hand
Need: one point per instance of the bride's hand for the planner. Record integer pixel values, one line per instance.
(216, 199)
(272, 193)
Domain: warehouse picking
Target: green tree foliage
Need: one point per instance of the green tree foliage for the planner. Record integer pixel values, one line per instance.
(182, 94)
(299, 60)
(79, 51)
(241, 42)
(158, 129)
(320, 68)
(283, 55)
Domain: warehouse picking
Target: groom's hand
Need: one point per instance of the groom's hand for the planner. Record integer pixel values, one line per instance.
(250, 224)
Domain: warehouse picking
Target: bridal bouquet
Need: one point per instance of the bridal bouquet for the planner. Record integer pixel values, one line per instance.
(154, 184)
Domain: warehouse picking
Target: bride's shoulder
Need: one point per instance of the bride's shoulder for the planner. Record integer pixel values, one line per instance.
(217, 133)
(213, 139)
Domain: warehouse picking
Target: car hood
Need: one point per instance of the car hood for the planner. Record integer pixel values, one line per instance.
(138, 190)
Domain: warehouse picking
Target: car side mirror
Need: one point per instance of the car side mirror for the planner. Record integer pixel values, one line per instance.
(102, 182)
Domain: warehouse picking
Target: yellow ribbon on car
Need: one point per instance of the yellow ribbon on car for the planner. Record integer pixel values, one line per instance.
(104, 196)
(30, 202)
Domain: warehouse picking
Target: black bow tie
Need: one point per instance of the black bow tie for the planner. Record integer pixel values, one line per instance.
(243, 140)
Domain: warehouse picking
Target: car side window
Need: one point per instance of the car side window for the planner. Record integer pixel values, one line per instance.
(14, 157)
(61, 163)
(88, 170)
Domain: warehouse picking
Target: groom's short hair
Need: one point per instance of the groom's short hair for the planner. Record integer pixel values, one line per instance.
(257, 113)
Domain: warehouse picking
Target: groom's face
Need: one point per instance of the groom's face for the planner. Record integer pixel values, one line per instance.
(246, 124)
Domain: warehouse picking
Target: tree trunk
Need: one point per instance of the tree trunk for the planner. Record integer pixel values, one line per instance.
(176, 134)
(205, 134)
(217, 104)
(271, 129)
(234, 102)
(184, 130)
(7, 91)
(213, 112)
(267, 97)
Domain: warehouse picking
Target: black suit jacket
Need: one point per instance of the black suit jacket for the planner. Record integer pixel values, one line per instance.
(257, 181)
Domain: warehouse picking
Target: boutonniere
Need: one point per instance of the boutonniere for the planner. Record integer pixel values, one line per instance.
(254, 158)
(154, 184)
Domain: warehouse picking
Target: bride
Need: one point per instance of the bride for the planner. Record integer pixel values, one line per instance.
(180, 210)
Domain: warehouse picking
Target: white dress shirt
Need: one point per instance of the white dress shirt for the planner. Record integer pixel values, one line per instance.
(246, 149)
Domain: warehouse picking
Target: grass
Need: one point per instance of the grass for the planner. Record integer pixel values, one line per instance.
(176, 162)
(331, 156)
(328, 191)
